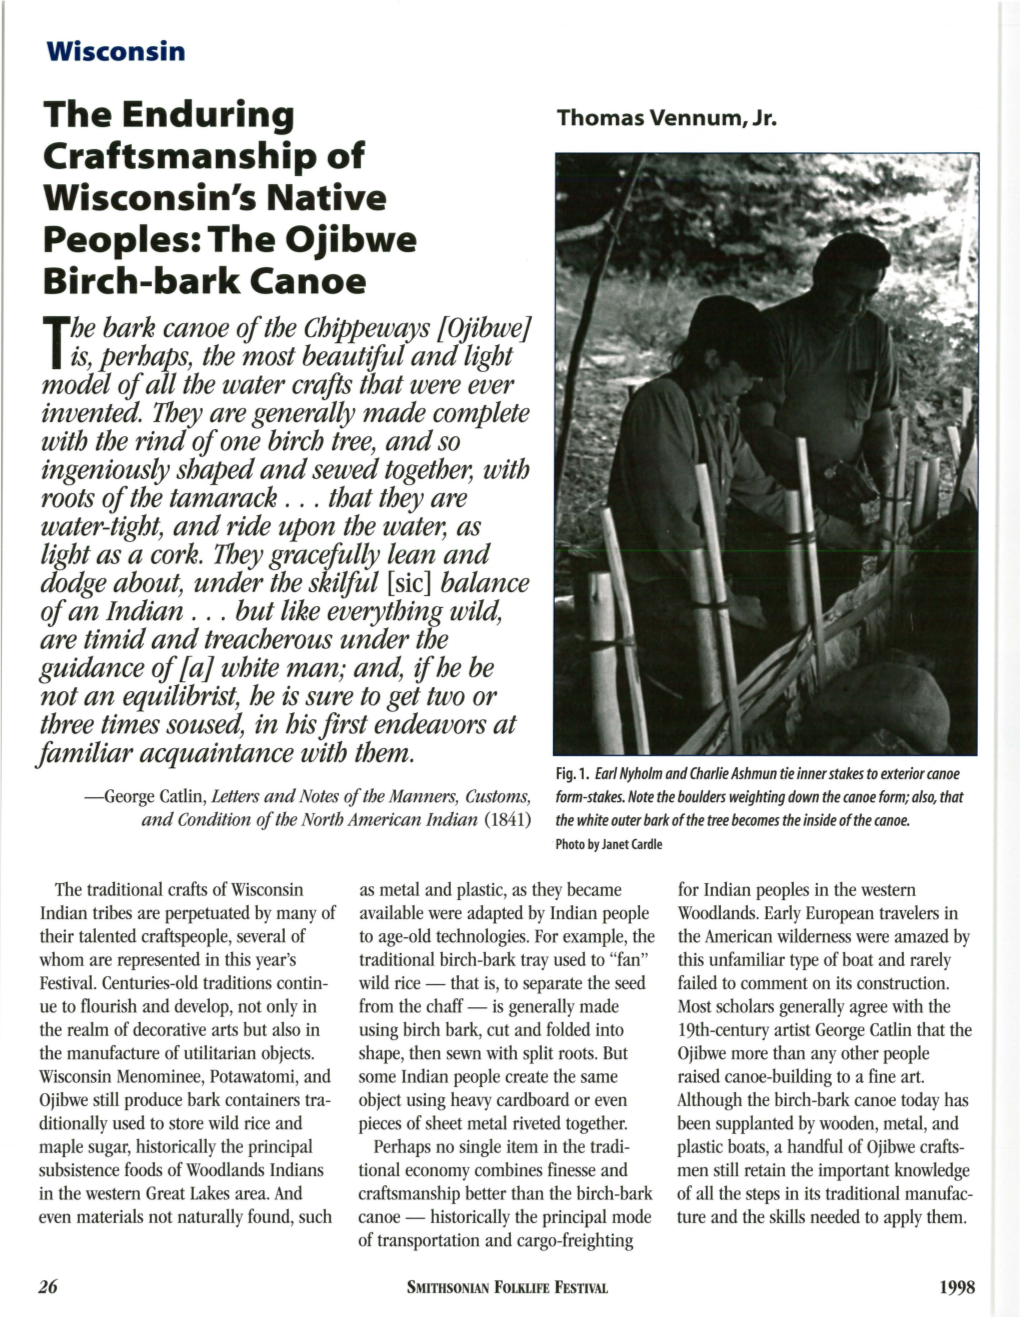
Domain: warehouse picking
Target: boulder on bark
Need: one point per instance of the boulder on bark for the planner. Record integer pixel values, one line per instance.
(900, 698)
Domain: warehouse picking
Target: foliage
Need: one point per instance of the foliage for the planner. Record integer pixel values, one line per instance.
(935, 334)
(738, 217)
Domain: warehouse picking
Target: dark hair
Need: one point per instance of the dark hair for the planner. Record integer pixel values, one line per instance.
(851, 249)
(734, 328)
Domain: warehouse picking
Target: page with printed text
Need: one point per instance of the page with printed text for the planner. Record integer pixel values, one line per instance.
(508, 748)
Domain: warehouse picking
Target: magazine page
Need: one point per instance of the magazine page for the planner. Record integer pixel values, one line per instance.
(500, 620)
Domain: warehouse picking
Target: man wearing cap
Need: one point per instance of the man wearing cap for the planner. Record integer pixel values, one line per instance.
(670, 426)
(835, 382)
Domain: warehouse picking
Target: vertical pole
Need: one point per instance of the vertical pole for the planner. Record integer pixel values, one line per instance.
(709, 675)
(899, 550)
(918, 496)
(966, 406)
(637, 699)
(808, 514)
(715, 563)
(953, 435)
(605, 705)
(796, 585)
(901, 475)
(886, 513)
(931, 499)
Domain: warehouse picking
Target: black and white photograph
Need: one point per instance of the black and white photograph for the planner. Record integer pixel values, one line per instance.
(766, 502)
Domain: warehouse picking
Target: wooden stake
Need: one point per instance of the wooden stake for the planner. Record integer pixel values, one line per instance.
(709, 675)
(796, 585)
(715, 563)
(954, 444)
(966, 406)
(605, 705)
(931, 498)
(901, 476)
(808, 516)
(899, 550)
(885, 520)
(918, 496)
(637, 699)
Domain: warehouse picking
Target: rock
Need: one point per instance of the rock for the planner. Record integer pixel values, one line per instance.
(903, 699)
(881, 742)
(911, 659)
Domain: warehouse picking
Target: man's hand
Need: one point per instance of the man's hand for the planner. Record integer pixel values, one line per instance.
(885, 479)
(878, 540)
(746, 609)
(837, 534)
(848, 483)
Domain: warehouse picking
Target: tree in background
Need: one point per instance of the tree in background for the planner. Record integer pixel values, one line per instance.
(725, 218)
(754, 223)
